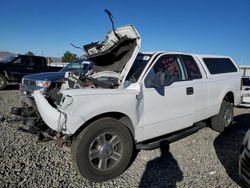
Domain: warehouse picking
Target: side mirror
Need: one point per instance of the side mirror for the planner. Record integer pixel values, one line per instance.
(18, 61)
(134, 86)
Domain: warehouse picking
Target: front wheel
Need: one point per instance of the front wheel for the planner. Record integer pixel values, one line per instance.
(224, 118)
(3, 82)
(103, 150)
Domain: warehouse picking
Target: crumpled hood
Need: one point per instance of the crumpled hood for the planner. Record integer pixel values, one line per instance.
(51, 76)
(117, 52)
(92, 92)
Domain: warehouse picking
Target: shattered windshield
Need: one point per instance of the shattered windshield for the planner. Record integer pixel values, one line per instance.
(138, 67)
(77, 66)
(9, 59)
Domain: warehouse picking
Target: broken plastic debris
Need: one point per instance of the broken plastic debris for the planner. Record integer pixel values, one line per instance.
(212, 172)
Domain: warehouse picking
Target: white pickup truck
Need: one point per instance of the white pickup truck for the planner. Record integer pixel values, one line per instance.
(135, 100)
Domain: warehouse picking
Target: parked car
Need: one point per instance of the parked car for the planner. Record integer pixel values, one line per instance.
(13, 68)
(244, 160)
(33, 82)
(245, 91)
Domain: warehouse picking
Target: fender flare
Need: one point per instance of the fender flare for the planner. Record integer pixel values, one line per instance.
(6, 75)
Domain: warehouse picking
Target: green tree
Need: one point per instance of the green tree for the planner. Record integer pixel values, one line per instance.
(68, 56)
(29, 53)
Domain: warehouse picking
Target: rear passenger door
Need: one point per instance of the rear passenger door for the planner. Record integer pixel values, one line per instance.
(200, 86)
(168, 100)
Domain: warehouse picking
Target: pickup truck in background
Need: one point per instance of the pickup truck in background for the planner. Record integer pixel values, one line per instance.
(245, 91)
(33, 82)
(13, 68)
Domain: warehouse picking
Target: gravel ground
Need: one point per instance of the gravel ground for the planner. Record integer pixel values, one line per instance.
(204, 159)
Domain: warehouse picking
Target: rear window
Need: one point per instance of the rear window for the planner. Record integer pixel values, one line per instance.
(219, 65)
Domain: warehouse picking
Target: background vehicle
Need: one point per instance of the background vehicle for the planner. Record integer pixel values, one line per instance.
(33, 82)
(244, 160)
(245, 91)
(13, 68)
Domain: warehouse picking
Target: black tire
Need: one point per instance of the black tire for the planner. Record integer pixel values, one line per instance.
(3, 82)
(103, 150)
(224, 118)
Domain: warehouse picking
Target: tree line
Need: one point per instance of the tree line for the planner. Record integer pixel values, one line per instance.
(67, 56)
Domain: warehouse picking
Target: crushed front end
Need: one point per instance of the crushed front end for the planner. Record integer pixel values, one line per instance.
(56, 110)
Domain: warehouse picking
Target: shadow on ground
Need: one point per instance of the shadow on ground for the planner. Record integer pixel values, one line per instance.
(162, 171)
(12, 87)
(227, 145)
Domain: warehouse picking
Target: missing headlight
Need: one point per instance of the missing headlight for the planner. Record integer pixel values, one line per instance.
(53, 93)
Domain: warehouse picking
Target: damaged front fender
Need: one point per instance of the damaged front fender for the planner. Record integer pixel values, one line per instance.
(55, 119)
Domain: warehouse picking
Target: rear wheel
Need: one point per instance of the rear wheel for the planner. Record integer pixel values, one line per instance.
(3, 82)
(224, 118)
(103, 150)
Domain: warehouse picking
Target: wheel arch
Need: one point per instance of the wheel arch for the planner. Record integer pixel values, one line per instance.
(229, 97)
(123, 118)
(4, 73)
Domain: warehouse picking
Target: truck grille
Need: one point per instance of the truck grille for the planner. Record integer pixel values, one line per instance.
(245, 167)
(29, 82)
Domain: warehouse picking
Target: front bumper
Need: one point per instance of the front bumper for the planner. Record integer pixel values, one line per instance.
(56, 119)
(51, 116)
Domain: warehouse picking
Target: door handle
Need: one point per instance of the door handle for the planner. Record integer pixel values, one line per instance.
(190, 90)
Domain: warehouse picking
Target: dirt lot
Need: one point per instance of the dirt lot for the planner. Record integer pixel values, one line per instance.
(204, 159)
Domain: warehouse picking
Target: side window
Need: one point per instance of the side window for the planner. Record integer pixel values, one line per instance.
(166, 70)
(192, 68)
(37, 62)
(18, 60)
(219, 65)
(27, 61)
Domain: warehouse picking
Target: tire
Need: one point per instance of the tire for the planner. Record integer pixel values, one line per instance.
(224, 118)
(103, 150)
(3, 82)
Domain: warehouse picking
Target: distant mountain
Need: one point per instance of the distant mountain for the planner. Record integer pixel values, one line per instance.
(4, 54)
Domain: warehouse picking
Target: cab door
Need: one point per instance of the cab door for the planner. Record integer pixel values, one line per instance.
(168, 97)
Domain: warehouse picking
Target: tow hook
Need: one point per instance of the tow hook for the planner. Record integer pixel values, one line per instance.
(61, 140)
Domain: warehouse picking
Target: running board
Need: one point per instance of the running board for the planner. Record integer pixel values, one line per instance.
(169, 138)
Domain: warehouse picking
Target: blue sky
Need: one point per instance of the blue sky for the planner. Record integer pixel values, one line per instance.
(48, 27)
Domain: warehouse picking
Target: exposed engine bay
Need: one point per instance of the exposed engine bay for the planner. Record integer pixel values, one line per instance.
(112, 58)
(73, 81)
